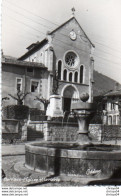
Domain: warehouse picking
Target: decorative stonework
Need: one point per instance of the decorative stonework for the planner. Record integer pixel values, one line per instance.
(71, 60)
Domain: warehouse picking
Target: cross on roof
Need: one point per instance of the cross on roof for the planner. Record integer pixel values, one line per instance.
(73, 10)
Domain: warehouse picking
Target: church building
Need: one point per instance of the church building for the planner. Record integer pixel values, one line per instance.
(65, 57)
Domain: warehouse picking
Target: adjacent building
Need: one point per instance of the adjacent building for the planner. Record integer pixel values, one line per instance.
(112, 110)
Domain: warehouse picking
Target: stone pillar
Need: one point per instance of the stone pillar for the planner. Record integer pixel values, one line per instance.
(49, 64)
(84, 113)
(119, 113)
(84, 118)
(54, 109)
(50, 59)
(46, 130)
(104, 117)
(24, 131)
(91, 79)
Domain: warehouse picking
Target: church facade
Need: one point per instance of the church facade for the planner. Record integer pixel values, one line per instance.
(67, 52)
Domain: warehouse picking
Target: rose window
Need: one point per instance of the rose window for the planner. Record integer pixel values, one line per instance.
(71, 59)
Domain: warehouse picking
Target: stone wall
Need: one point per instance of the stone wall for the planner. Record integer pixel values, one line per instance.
(11, 130)
(102, 133)
(14, 130)
(56, 131)
(111, 132)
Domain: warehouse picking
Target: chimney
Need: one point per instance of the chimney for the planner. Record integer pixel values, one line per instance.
(116, 87)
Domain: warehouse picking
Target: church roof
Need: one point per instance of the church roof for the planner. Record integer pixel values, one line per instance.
(66, 23)
(34, 46)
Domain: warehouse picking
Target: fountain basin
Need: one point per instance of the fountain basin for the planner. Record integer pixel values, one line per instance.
(83, 106)
(71, 159)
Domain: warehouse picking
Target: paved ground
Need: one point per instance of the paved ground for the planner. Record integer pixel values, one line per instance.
(13, 149)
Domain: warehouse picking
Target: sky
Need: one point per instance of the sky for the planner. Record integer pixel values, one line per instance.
(27, 21)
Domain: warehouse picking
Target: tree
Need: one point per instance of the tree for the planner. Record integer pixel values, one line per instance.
(5, 98)
(100, 102)
(20, 97)
(44, 101)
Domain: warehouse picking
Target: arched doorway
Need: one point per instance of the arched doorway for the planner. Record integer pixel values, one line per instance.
(70, 94)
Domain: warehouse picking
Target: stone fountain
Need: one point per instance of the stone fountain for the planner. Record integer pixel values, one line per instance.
(80, 158)
(84, 112)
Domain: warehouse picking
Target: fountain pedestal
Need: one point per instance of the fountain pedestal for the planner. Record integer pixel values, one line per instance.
(84, 113)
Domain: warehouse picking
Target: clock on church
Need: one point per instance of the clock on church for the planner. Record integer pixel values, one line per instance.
(73, 35)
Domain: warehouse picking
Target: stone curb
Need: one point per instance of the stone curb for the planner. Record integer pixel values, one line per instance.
(13, 154)
(27, 173)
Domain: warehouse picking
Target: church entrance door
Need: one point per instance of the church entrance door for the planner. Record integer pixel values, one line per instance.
(67, 104)
(70, 94)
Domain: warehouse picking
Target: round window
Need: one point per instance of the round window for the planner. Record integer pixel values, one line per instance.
(71, 59)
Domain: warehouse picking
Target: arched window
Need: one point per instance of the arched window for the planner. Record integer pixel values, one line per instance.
(76, 77)
(59, 69)
(70, 77)
(110, 120)
(65, 75)
(81, 74)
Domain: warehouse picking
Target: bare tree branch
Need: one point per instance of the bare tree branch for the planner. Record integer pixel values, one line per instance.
(44, 101)
(20, 97)
(13, 97)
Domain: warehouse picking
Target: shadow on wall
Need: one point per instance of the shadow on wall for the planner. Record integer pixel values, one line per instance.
(57, 165)
(32, 135)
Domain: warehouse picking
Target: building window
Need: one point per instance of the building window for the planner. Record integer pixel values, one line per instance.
(34, 59)
(70, 77)
(116, 105)
(29, 69)
(114, 120)
(71, 59)
(112, 106)
(59, 69)
(76, 77)
(81, 74)
(110, 120)
(41, 58)
(34, 86)
(118, 120)
(65, 75)
(109, 106)
(19, 84)
(103, 106)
